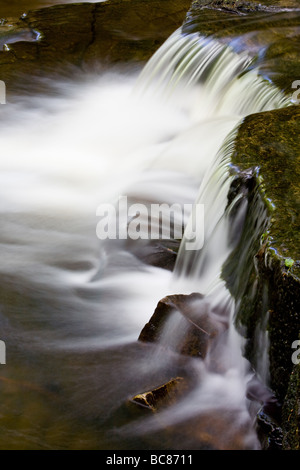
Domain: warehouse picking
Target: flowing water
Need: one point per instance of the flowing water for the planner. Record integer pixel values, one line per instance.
(73, 306)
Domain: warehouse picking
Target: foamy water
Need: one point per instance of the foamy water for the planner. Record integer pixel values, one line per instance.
(67, 295)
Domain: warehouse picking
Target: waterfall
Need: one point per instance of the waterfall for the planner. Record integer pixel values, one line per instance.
(232, 84)
(74, 304)
(225, 88)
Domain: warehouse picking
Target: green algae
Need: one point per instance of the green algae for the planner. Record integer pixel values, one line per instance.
(271, 141)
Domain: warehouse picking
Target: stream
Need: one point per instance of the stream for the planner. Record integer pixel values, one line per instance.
(72, 305)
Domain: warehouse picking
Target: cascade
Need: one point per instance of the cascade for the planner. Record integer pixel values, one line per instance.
(165, 136)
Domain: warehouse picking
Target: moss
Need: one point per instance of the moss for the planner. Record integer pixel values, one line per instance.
(270, 141)
(263, 270)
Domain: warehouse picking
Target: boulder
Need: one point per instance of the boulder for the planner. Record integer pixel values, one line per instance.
(263, 272)
(184, 324)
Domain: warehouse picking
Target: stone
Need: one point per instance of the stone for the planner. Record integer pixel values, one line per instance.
(87, 36)
(184, 324)
(266, 286)
(164, 395)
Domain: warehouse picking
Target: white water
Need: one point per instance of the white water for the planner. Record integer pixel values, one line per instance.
(153, 140)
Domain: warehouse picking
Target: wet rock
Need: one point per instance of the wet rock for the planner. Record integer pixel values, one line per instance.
(291, 412)
(245, 5)
(273, 41)
(269, 428)
(270, 142)
(88, 36)
(133, 30)
(164, 395)
(269, 432)
(184, 324)
(263, 272)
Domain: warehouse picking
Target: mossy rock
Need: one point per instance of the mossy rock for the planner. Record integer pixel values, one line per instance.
(271, 142)
(263, 272)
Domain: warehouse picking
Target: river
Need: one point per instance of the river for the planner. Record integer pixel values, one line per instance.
(72, 305)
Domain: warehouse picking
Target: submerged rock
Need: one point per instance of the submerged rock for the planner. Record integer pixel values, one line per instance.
(214, 429)
(263, 272)
(158, 253)
(206, 429)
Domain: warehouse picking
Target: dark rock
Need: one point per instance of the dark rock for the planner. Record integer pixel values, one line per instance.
(183, 323)
(269, 415)
(269, 432)
(257, 273)
(291, 412)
